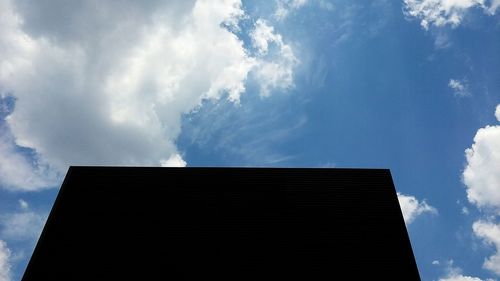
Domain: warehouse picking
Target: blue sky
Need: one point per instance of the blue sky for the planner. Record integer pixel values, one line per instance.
(410, 85)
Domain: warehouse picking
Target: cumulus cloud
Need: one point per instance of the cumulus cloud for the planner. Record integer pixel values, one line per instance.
(412, 208)
(108, 84)
(445, 12)
(5, 273)
(482, 179)
(174, 161)
(490, 233)
(459, 87)
(481, 175)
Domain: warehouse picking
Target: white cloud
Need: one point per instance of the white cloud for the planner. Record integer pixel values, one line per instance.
(442, 40)
(495, 4)
(5, 274)
(262, 35)
(481, 175)
(455, 274)
(284, 7)
(108, 84)
(22, 226)
(445, 12)
(277, 74)
(490, 233)
(460, 88)
(460, 277)
(23, 204)
(412, 208)
(17, 171)
(436, 262)
(174, 161)
(326, 4)
(482, 179)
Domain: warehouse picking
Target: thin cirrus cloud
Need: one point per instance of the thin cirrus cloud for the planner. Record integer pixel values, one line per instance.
(445, 12)
(22, 226)
(108, 84)
(284, 7)
(459, 87)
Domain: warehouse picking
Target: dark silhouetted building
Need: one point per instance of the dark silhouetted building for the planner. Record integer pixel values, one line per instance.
(122, 223)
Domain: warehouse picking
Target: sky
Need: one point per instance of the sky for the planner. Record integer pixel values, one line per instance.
(408, 85)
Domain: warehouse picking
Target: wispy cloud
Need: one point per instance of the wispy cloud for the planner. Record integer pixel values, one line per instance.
(460, 87)
(276, 74)
(455, 274)
(285, 7)
(440, 13)
(24, 225)
(5, 266)
(412, 207)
